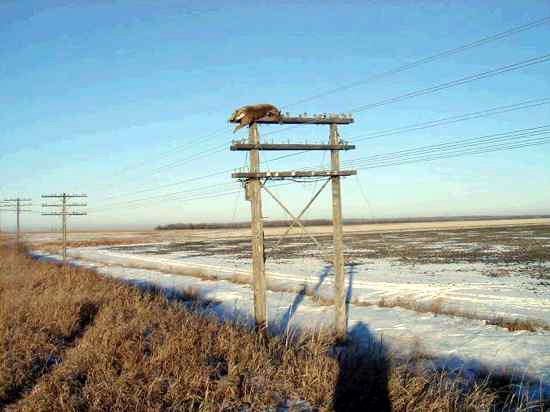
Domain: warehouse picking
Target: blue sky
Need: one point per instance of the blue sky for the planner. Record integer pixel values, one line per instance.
(97, 96)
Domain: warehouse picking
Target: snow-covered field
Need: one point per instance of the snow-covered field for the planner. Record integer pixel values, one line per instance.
(483, 273)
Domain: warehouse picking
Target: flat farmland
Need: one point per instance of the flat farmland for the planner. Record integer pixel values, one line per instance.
(469, 294)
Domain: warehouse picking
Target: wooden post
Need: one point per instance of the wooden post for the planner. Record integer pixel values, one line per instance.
(18, 236)
(258, 256)
(339, 283)
(64, 226)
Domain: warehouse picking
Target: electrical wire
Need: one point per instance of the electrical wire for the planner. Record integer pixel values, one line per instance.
(419, 62)
(491, 143)
(399, 69)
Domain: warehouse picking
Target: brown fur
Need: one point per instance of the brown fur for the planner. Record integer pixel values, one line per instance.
(247, 115)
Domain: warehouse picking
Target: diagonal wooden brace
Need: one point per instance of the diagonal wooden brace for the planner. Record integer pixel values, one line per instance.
(296, 220)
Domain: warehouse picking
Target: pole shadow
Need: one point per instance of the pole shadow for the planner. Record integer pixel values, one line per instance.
(349, 295)
(299, 298)
(362, 383)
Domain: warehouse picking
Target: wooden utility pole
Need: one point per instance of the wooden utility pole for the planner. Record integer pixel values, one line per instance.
(19, 203)
(255, 180)
(258, 253)
(338, 238)
(3, 205)
(64, 213)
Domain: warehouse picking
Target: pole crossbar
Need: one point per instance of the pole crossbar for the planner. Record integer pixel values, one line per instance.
(315, 119)
(291, 174)
(63, 195)
(67, 205)
(65, 214)
(290, 146)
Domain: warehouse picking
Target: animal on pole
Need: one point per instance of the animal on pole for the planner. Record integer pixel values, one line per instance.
(248, 115)
(64, 214)
(269, 114)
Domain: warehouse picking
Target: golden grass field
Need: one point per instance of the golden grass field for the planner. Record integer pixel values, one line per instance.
(73, 340)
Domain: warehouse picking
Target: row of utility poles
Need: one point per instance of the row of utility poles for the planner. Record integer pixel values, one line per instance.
(20, 205)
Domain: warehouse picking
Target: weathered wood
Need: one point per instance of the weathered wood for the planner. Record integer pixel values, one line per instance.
(287, 231)
(18, 237)
(295, 220)
(283, 146)
(64, 223)
(258, 254)
(320, 119)
(294, 173)
(341, 317)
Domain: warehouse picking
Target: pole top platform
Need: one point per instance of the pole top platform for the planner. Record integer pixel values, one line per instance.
(305, 119)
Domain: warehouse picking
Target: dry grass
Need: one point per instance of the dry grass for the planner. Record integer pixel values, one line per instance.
(55, 246)
(73, 340)
(438, 307)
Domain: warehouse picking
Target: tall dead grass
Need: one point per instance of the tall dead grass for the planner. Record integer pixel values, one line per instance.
(73, 340)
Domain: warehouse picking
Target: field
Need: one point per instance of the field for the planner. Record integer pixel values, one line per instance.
(473, 296)
(71, 339)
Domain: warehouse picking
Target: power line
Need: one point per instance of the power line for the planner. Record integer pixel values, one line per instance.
(388, 164)
(534, 142)
(178, 183)
(416, 63)
(168, 195)
(217, 149)
(406, 96)
(383, 133)
(453, 119)
(458, 143)
(436, 123)
(457, 82)
(426, 153)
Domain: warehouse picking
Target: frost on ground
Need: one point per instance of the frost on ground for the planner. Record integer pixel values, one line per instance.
(492, 273)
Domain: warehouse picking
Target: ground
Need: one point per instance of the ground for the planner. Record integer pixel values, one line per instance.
(468, 295)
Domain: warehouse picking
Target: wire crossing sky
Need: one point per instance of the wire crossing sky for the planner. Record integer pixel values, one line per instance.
(128, 101)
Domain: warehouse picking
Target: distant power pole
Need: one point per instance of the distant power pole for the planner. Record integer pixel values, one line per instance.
(19, 203)
(64, 213)
(3, 206)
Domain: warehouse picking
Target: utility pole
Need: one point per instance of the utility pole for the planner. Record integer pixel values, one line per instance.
(338, 238)
(19, 203)
(255, 180)
(258, 252)
(64, 213)
(3, 205)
